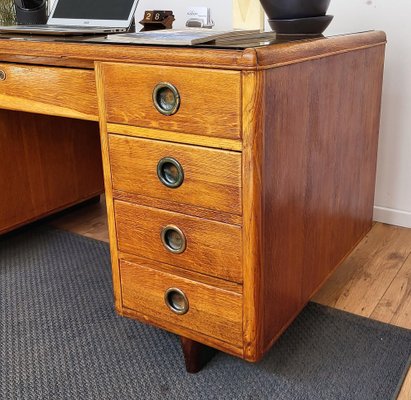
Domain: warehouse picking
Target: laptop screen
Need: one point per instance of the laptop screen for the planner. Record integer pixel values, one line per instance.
(93, 12)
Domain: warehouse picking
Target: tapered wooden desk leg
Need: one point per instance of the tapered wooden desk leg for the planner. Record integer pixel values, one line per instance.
(196, 355)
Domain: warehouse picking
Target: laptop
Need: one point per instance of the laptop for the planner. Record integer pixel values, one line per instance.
(82, 17)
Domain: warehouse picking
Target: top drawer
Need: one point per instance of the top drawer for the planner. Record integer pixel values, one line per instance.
(57, 91)
(209, 100)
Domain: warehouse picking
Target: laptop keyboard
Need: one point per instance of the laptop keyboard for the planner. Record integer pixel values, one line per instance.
(59, 27)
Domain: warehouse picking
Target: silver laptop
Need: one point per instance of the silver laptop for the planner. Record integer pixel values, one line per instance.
(80, 17)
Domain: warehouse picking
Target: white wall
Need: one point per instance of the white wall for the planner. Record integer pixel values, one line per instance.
(393, 192)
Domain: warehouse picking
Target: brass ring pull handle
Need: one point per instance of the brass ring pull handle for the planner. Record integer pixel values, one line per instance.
(176, 301)
(173, 239)
(166, 98)
(170, 172)
(2, 75)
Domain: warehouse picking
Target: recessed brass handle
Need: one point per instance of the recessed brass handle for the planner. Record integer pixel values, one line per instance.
(166, 98)
(173, 239)
(176, 301)
(170, 172)
(3, 75)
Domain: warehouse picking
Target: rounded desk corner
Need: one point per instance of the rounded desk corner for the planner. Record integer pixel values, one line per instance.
(249, 58)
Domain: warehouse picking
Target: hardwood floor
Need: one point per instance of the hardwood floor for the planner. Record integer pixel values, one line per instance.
(373, 281)
(89, 220)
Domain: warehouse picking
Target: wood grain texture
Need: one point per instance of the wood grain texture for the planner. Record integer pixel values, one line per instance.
(83, 55)
(361, 283)
(182, 331)
(183, 273)
(253, 111)
(212, 178)
(316, 48)
(175, 137)
(115, 267)
(46, 164)
(53, 91)
(213, 312)
(164, 204)
(394, 306)
(88, 220)
(405, 392)
(213, 248)
(210, 99)
(319, 174)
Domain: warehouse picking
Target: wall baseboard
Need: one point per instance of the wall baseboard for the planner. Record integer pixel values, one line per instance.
(392, 216)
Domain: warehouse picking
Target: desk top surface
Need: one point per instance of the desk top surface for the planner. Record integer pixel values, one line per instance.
(103, 39)
(80, 52)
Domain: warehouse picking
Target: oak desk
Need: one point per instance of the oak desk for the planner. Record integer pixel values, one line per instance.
(236, 179)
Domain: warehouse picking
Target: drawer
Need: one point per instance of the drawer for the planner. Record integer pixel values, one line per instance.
(179, 302)
(209, 100)
(196, 244)
(63, 92)
(210, 178)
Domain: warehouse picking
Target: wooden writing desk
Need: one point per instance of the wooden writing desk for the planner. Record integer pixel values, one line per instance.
(236, 179)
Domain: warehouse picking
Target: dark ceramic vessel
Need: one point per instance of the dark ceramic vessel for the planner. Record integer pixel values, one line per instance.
(36, 14)
(301, 26)
(292, 9)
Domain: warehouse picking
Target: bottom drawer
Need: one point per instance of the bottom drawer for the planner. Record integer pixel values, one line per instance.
(177, 301)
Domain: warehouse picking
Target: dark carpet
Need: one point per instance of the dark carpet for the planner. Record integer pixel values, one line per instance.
(60, 339)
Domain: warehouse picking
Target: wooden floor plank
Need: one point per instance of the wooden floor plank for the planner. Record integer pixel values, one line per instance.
(345, 273)
(395, 305)
(363, 278)
(90, 221)
(405, 393)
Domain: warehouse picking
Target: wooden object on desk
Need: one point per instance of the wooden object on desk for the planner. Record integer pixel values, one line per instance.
(157, 20)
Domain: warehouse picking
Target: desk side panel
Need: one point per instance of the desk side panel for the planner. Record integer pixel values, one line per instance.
(47, 164)
(320, 149)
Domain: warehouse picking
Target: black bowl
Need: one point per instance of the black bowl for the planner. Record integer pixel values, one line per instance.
(291, 9)
(301, 26)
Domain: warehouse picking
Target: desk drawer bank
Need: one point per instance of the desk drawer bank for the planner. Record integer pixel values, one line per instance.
(235, 189)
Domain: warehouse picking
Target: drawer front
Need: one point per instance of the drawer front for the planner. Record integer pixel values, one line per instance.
(189, 304)
(46, 90)
(210, 178)
(209, 100)
(196, 244)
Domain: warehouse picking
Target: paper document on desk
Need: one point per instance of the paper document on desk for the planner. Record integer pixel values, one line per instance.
(183, 37)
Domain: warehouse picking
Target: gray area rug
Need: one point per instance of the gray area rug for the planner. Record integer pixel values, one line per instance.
(60, 339)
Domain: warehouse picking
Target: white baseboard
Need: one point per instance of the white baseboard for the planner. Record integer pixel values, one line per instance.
(392, 216)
